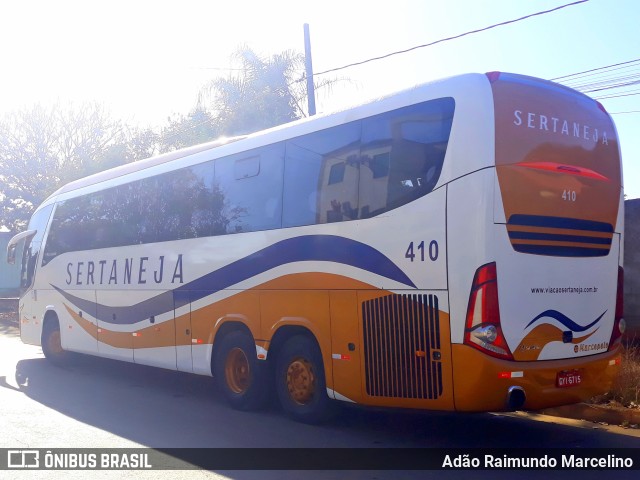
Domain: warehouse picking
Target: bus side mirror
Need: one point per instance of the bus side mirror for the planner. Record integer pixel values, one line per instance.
(11, 254)
(12, 246)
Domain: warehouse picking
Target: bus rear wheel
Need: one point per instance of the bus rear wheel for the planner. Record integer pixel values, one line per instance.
(300, 381)
(241, 378)
(52, 342)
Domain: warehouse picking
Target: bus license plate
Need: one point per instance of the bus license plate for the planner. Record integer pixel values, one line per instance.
(572, 378)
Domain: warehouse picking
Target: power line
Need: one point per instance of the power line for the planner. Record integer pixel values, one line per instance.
(596, 69)
(625, 92)
(451, 38)
(222, 69)
(607, 97)
(604, 75)
(605, 79)
(622, 113)
(618, 76)
(617, 85)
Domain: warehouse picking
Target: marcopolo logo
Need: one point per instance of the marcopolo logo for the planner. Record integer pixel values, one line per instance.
(590, 347)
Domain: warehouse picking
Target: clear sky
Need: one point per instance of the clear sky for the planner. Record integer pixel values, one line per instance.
(147, 59)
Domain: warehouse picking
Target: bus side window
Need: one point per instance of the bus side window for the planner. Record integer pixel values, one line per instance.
(321, 176)
(402, 154)
(251, 185)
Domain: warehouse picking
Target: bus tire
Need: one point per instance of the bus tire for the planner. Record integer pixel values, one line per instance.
(51, 342)
(242, 379)
(300, 381)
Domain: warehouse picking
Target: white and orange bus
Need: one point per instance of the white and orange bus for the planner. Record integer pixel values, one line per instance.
(457, 246)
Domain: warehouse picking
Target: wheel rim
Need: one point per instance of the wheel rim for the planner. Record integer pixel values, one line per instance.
(237, 371)
(301, 381)
(55, 344)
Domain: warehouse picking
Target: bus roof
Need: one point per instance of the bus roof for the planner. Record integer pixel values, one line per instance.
(451, 86)
(142, 165)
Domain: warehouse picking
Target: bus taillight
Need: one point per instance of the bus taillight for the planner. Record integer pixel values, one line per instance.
(619, 325)
(483, 330)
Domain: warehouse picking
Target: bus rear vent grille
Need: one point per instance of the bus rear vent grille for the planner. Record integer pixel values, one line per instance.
(402, 346)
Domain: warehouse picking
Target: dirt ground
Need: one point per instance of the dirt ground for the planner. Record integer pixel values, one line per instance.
(8, 317)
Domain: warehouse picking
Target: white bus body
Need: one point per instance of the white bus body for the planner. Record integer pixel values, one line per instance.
(457, 246)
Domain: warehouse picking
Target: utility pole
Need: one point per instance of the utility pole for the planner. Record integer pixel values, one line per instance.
(308, 66)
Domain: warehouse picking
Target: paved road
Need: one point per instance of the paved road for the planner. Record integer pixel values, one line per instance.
(101, 403)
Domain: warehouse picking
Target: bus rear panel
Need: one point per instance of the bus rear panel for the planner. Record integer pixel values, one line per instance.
(543, 318)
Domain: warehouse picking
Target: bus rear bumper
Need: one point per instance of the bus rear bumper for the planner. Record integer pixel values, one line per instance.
(484, 383)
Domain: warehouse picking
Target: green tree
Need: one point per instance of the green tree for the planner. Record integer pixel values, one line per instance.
(43, 147)
(258, 94)
(84, 134)
(186, 130)
(141, 143)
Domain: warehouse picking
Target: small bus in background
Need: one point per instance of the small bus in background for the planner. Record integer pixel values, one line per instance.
(457, 246)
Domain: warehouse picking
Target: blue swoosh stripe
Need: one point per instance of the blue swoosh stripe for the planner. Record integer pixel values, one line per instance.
(564, 320)
(559, 222)
(559, 238)
(561, 251)
(322, 248)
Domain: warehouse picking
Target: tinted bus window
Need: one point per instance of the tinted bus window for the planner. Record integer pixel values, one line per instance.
(113, 219)
(356, 170)
(74, 226)
(251, 185)
(171, 205)
(321, 176)
(402, 154)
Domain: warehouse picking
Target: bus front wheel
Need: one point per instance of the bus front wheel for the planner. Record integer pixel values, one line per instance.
(52, 342)
(238, 373)
(300, 381)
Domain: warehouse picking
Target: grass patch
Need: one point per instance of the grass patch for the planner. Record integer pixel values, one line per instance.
(626, 388)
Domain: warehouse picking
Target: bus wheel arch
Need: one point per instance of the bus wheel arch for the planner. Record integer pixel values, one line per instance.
(300, 378)
(51, 339)
(240, 376)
